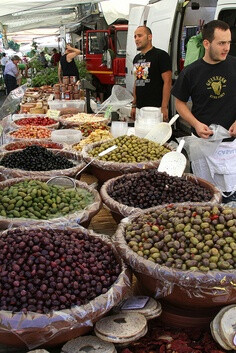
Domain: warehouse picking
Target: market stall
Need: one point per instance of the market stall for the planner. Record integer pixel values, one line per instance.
(174, 236)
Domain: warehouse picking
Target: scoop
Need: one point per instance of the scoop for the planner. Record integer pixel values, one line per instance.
(173, 163)
(68, 182)
(162, 131)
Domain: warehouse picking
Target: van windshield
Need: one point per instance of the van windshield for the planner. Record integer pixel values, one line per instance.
(121, 39)
(96, 42)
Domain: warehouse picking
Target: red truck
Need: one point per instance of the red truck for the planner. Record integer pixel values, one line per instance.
(106, 55)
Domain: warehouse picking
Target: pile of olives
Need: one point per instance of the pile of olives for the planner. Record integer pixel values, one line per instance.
(53, 269)
(151, 188)
(186, 237)
(131, 149)
(37, 200)
(35, 158)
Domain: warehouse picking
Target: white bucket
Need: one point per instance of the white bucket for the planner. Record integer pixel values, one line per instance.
(151, 113)
(119, 128)
(147, 118)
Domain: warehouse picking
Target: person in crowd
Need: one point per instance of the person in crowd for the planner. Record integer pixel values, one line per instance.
(55, 57)
(42, 59)
(67, 65)
(152, 70)
(4, 60)
(11, 72)
(210, 83)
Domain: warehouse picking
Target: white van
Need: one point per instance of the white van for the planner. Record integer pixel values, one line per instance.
(172, 23)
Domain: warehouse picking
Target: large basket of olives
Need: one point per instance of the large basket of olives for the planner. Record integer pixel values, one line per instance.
(31, 200)
(129, 193)
(56, 283)
(185, 253)
(132, 154)
(36, 160)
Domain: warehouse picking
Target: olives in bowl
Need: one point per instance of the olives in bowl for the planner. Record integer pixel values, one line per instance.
(56, 283)
(185, 253)
(127, 194)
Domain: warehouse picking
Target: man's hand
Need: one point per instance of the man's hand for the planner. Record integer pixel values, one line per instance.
(165, 114)
(133, 113)
(203, 130)
(232, 129)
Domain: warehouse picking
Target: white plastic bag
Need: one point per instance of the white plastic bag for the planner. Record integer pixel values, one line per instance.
(199, 147)
(119, 97)
(214, 160)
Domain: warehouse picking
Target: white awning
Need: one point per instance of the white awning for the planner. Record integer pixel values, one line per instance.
(22, 15)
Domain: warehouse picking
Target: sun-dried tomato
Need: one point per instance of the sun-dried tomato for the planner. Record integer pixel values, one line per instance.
(126, 350)
(214, 216)
(179, 346)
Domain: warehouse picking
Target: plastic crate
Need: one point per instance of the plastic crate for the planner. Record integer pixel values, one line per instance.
(59, 104)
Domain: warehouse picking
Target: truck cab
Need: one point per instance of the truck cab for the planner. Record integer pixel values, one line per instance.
(105, 56)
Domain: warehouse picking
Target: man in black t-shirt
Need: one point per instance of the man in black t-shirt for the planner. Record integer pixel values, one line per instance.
(152, 70)
(210, 82)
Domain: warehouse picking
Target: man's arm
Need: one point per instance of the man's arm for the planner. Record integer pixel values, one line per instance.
(201, 129)
(73, 52)
(59, 72)
(166, 77)
(133, 109)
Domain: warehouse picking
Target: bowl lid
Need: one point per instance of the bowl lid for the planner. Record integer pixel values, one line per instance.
(122, 341)
(121, 326)
(215, 328)
(90, 344)
(131, 306)
(228, 326)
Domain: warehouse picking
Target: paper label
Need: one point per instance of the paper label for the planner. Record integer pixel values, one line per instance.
(107, 150)
(53, 114)
(138, 302)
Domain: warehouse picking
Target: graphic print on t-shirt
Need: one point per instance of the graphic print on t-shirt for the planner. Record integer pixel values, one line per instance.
(216, 84)
(141, 72)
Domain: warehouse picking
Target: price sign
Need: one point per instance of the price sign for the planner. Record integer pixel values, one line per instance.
(53, 114)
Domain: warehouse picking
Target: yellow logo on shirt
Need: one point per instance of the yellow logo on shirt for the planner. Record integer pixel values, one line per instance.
(216, 84)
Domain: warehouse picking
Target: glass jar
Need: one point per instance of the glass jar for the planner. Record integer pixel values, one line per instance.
(73, 79)
(63, 88)
(76, 95)
(70, 88)
(66, 80)
(56, 87)
(67, 95)
(57, 95)
(76, 88)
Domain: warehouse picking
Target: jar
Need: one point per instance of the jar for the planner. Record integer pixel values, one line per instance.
(76, 95)
(70, 88)
(82, 94)
(63, 88)
(76, 88)
(56, 87)
(57, 95)
(62, 95)
(67, 95)
(72, 95)
(73, 79)
(65, 80)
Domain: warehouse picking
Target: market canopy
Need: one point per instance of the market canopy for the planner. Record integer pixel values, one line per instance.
(24, 20)
(22, 15)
